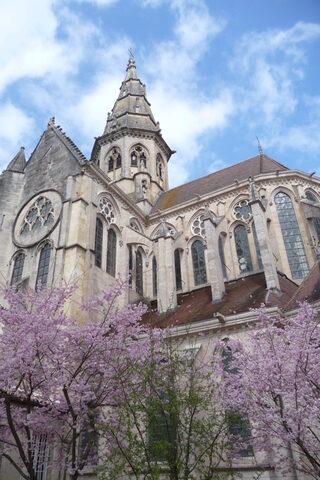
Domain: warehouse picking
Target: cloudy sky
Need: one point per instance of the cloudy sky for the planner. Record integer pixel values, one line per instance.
(218, 74)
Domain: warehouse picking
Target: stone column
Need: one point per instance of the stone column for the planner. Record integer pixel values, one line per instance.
(260, 222)
(215, 273)
(167, 295)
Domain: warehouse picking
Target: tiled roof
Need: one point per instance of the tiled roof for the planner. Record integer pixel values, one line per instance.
(309, 289)
(241, 295)
(217, 180)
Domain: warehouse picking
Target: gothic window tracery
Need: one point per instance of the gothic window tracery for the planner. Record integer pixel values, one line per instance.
(105, 207)
(43, 268)
(40, 214)
(291, 236)
(139, 157)
(199, 263)
(242, 211)
(154, 276)
(134, 224)
(197, 226)
(111, 253)
(114, 159)
(98, 243)
(177, 265)
(17, 268)
(242, 248)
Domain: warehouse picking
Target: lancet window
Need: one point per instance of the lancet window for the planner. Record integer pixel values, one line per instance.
(17, 268)
(139, 273)
(130, 265)
(291, 236)
(154, 277)
(138, 157)
(316, 221)
(111, 253)
(242, 248)
(177, 265)
(98, 243)
(43, 268)
(199, 263)
(114, 159)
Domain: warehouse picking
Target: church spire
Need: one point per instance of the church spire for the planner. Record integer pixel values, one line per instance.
(131, 109)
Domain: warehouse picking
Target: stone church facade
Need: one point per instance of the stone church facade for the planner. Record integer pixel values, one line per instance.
(202, 253)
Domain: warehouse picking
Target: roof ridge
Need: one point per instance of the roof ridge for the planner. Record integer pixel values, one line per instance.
(73, 147)
(302, 285)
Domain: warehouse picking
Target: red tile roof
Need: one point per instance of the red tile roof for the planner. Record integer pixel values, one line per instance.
(217, 180)
(309, 289)
(241, 295)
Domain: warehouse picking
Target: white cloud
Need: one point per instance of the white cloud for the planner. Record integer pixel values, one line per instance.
(99, 3)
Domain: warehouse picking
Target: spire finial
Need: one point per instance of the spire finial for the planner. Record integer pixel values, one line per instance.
(260, 153)
(131, 56)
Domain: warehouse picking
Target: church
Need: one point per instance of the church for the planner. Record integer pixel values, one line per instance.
(202, 253)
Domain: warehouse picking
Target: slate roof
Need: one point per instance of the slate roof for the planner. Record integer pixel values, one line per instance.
(217, 180)
(241, 295)
(18, 163)
(309, 289)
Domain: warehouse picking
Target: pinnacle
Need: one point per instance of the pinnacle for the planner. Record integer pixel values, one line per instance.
(18, 162)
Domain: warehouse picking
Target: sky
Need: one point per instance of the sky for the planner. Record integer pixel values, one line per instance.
(219, 73)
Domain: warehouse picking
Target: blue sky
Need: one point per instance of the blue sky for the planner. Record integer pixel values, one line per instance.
(218, 74)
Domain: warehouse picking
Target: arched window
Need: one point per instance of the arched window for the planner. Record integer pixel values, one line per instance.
(143, 160)
(17, 268)
(222, 259)
(98, 242)
(316, 220)
(291, 236)
(177, 265)
(130, 265)
(256, 243)
(43, 268)
(242, 247)
(118, 161)
(110, 164)
(134, 159)
(111, 253)
(139, 273)
(154, 277)
(199, 263)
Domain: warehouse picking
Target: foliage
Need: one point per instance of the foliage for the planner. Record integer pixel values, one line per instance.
(169, 422)
(56, 377)
(277, 382)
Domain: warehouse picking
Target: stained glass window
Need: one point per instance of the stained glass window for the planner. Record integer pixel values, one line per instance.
(17, 268)
(242, 211)
(242, 248)
(139, 273)
(222, 259)
(199, 263)
(40, 214)
(291, 236)
(177, 265)
(256, 243)
(111, 253)
(43, 268)
(130, 265)
(134, 159)
(154, 277)
(110, 164)
(118, 161)
(98, 243)
(197, 227)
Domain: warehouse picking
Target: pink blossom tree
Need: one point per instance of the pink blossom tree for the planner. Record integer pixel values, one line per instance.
(275, 379)
(58, 378)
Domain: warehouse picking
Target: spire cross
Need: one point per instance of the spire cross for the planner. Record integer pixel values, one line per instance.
(260, 153)
(130, 53)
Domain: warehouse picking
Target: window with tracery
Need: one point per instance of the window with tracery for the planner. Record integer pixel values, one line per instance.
(242, 248)
(291, 236)
(40, 214)
(114, 159)
(111, 253)
(222, 259)
(134, 224)
(138, 157)
(17, 268)
(105, 207)
(316, 220)
(139, 273)
(154, 277)
(43, 268)
(177, 265)
(98, 243)
(199, 263)
(242, 211)
(197, 226)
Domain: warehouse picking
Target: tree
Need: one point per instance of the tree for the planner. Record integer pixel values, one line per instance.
(58, 378)
(170, 421)
(275, 378)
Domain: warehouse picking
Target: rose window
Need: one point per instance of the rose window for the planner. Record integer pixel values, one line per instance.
(106, 208)
(242, 211)
(40, 214)
(197, 227)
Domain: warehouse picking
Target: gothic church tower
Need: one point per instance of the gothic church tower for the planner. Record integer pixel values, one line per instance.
(131, 150)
